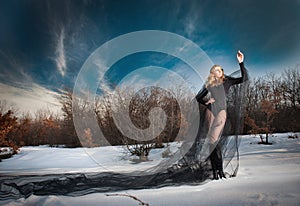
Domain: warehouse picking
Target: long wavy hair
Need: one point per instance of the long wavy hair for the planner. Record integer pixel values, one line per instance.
(212, 80)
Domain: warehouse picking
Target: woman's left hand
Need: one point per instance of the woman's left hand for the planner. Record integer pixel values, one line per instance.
(240, 56)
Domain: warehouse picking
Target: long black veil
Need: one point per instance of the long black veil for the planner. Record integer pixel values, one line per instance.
(190, 169)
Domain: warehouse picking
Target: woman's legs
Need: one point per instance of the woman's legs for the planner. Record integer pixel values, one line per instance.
(216, 124)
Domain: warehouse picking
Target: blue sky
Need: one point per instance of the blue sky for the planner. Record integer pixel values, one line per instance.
(43, 44)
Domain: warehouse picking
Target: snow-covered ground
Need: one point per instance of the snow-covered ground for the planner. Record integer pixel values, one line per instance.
(268, 175)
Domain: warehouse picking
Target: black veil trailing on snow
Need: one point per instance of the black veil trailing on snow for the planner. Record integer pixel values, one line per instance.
(191, 168)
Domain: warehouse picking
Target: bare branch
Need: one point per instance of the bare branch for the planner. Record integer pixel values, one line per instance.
(130, 196)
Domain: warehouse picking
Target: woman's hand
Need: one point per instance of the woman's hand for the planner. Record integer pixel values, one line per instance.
(240, 56)
(210, 101)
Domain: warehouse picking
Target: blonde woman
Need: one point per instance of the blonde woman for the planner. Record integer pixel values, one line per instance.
(213, 96)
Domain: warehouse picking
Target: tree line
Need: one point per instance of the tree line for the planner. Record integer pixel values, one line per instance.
(271, 104)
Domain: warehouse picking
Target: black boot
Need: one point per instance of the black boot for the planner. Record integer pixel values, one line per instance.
(213, 162)
(219, 162)
(221, 174)
(215, 175)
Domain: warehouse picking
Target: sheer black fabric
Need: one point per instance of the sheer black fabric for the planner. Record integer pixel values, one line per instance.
(196, 166)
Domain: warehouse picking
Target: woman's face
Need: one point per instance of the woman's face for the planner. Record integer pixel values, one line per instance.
(218, 72)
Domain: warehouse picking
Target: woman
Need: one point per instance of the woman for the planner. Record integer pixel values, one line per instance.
(213, 96)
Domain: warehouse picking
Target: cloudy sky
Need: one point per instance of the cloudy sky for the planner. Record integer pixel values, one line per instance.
(43, 44)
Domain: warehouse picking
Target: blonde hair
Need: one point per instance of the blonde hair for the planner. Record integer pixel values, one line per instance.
(212, 80)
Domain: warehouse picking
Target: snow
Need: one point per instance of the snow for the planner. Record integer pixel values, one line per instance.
(268, 175)
(6, 151)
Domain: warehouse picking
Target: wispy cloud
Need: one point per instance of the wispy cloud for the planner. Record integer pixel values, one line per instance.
(72, 32)
(13, 68)
(17, 86)
(30, 99)
(189, 26)
(193, 21)
(60, 58)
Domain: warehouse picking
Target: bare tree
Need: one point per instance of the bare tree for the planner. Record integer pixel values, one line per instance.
(68, 129)
(292, 86)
